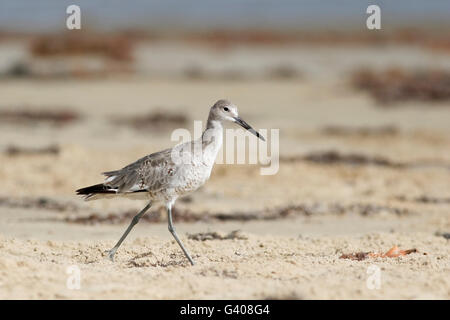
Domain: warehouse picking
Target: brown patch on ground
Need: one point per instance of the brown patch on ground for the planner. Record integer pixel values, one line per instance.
(38, 203)
(112, 46)
(36, 116)
(445, 235)
(229, 38)
(387, 130)
(397, 85)
(13, 150)
(186, 215)
(332, 157)
(335, 157)
(155, 121)
(425, 199)
(203, 236)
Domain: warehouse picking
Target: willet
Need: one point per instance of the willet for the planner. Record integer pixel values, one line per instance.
(166, 175)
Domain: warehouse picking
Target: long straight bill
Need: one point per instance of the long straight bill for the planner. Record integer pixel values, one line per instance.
(246, 126)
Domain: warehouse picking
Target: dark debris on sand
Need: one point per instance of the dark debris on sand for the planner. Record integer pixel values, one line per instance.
(113, 46)
(394, 252)
(387, 130)
(424, 199)
(156, 121)
(332, 157)
(185, 215)
(27, 117)
(397, 85)
(203, 236)
(38, 203)
(359, 256)
(13, 150)
(445, 235)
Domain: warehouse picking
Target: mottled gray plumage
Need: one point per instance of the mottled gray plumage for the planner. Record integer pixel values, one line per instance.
(168, 174)
(150, 173)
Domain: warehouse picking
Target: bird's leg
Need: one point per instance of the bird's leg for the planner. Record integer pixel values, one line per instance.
(135, 220)
(174, 234)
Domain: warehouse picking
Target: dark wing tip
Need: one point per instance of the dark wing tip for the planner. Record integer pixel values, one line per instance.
(96, 188)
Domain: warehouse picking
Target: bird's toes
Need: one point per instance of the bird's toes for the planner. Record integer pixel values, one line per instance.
(110, 254)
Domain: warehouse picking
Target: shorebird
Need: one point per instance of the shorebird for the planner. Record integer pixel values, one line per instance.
(168, 174)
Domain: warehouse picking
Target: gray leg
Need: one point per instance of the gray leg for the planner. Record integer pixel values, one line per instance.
(174, 234)
(135, 220)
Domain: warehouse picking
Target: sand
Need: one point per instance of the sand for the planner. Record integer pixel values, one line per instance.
(260, 267)
(329, 208)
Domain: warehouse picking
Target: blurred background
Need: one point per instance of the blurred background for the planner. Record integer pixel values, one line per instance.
(75, 103)
(364, 120)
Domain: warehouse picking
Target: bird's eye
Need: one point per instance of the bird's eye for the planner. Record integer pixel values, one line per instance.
(226, 109)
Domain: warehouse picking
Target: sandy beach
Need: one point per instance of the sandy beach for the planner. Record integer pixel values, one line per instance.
(353, 177)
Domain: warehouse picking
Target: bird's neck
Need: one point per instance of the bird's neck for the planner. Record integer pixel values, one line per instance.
(212, 138)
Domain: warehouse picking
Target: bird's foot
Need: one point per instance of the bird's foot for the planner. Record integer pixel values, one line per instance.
(111, 253)
(191, 261)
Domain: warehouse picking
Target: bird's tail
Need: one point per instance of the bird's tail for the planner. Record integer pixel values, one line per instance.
(96, 190)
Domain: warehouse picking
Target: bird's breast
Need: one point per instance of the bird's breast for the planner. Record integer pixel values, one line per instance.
(191, 177)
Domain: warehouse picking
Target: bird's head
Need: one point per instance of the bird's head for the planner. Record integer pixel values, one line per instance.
(224, 110)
